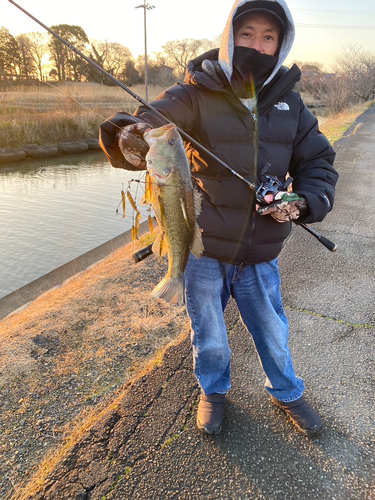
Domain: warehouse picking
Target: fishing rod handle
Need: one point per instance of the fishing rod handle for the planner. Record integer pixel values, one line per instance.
(142, 254)
(330, 245)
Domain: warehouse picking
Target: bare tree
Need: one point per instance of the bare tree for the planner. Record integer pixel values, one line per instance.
(37, 50)
(314, 66)
(113, 57)
(26, 64)
(358, 66)
(180, 52)
(337, 92)
(9, 54)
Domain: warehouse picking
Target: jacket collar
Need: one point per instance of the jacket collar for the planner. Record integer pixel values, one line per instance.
(283, 82)
(206, 71)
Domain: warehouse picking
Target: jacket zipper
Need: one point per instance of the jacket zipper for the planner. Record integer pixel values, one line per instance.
(255, 159)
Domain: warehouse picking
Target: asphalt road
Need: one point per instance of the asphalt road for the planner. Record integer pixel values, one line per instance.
(149, 447)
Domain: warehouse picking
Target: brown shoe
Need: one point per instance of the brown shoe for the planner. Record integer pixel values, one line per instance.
(211, 413)
(303, 416)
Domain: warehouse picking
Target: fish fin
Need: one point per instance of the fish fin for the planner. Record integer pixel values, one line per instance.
(184, 213)
(147, 197)
(161, 209)
(159, 247)
(156, 245)
(197, 245)
(171, 290)
(197, 201)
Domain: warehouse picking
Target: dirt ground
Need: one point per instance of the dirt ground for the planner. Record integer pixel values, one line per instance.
(67, 357)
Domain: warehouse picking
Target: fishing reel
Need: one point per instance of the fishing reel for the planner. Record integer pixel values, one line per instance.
(271, 185)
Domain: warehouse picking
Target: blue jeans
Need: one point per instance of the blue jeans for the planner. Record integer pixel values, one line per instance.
(256, 290)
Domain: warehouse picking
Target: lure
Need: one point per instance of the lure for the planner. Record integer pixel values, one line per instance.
(132, 202)
(147, 198)
(137, 224)
(134, 233)
(150, 224)
(123, 203)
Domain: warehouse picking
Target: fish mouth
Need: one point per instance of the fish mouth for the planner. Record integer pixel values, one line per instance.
(160, 177)
(166, 131)
(157, 132)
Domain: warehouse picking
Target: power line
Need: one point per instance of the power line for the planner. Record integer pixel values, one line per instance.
(336, 11)
(332, 26)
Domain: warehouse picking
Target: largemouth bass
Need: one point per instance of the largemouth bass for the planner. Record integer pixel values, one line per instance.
(176, 204)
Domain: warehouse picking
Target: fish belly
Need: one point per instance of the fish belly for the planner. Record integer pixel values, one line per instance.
(177, 218)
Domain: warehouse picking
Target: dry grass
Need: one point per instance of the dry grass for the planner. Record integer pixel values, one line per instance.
(64, 360)
(50, 114)
(334, 126)
(75, 430)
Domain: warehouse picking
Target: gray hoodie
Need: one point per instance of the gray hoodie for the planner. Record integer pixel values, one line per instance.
(227, 42)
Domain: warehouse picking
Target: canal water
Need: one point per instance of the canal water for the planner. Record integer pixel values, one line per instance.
(54, 210)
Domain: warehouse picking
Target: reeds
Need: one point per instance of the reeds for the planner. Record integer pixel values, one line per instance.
(48, 114)
(53, 113)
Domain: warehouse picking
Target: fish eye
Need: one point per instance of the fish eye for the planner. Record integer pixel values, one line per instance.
(171, 142)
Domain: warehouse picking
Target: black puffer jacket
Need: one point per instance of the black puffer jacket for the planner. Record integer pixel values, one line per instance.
(206, 107)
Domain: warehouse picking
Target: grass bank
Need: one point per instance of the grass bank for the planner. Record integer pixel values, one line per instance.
(67, 358)
(49, 114)
(335, 126)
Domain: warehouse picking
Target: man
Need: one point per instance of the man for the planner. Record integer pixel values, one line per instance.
(239, 103)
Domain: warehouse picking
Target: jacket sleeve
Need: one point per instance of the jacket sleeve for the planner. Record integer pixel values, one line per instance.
(311, 167)
(176, 104)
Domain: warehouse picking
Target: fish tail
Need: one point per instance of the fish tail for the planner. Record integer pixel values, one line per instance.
(171, 289)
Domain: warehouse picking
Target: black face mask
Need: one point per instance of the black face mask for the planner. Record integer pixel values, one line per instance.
(250, 70)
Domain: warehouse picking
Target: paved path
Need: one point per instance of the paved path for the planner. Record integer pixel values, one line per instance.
(149, 447)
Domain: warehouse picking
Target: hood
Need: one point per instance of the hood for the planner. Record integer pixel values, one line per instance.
(227, 43)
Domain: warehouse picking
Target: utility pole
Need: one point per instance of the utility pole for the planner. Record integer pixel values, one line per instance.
(145, 6)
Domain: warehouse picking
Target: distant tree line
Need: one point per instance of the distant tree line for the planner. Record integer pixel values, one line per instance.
(352, 80)
(41, 56)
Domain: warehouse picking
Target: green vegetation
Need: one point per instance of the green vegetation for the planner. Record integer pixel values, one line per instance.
(169, 440)
(117, 480)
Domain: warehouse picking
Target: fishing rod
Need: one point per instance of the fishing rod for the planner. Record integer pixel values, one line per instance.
(324, 241)
(135, 96)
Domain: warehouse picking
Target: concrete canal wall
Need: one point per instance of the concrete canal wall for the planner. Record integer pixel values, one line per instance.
(25, 295)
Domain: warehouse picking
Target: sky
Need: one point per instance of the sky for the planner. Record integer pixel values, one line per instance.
(323, 27)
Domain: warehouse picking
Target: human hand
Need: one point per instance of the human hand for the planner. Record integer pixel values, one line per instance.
(132, 145)
(283, 206)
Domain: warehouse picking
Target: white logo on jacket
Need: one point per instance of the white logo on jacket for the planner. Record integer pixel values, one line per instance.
(282, 106)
